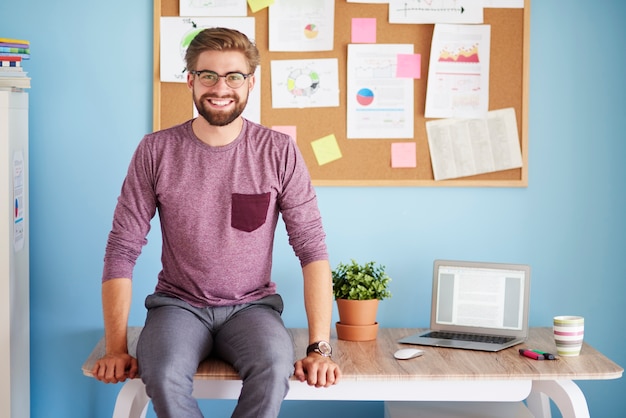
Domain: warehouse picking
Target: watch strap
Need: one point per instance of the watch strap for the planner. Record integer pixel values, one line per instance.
(311, 348)
(315, 347)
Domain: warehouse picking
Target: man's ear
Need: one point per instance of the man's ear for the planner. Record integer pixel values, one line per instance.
(190, 80)
(251, 82)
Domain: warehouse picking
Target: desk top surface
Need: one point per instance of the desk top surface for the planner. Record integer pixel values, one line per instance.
(373, 360)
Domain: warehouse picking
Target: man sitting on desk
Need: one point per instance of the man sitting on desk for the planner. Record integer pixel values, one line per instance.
(219, 183)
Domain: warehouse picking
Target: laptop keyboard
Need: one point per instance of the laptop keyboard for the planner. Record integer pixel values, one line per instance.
(492, 339)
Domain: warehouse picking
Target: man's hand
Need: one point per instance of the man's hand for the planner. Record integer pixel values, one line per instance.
(115, 368)
(317, 370)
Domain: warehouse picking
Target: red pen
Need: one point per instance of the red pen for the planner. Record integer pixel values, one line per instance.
(531, 354)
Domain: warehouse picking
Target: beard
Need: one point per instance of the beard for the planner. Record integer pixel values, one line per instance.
(217, 117)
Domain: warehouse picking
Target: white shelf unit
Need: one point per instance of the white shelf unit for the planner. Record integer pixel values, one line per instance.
(14, 256)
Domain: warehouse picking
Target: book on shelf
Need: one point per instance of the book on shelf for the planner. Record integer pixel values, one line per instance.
(15, 54)
(15, 47)
(14, 41)
(13, 50)
(14, 82)
(8, 61)
(12, 72)
(12, 53)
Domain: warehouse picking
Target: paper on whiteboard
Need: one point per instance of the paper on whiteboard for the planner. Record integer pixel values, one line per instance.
(466, 147)
(178, 32)
(504, 4)
(305, 83)
(213, 8)
(379, 104)
(301, 25)
(435, 11)
(458, 73)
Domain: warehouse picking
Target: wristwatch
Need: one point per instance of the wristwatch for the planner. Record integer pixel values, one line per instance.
(321, 347)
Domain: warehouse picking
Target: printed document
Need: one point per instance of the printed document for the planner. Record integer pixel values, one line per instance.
(466, 147)
(301, 26)
(458, 74)
(379, 104)
(305, 83)
(435, 11)
(213, 8)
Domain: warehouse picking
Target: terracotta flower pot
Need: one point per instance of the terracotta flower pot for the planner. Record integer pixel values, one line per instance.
(357, 319)
(357, 332)
(357, 312)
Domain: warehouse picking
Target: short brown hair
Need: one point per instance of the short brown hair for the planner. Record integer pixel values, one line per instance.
(222, 39)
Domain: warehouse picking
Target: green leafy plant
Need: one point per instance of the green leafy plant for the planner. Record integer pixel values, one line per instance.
(360, 282)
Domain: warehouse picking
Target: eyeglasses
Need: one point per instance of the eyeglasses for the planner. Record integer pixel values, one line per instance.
(210, 78)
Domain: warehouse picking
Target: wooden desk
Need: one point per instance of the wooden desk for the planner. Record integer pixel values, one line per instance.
(370, 372)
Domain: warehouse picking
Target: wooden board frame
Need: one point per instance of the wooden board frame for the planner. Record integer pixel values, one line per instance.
(367, 162)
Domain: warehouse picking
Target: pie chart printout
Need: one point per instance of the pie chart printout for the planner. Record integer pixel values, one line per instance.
(303, 82)
(311, 31)
(365, 97)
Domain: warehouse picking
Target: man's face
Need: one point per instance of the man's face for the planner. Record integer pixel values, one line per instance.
(220, 104)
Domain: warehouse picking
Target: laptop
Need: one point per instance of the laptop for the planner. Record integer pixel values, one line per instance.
(477, 306)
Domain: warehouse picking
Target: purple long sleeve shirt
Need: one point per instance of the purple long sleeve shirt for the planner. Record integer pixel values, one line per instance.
(218, 208)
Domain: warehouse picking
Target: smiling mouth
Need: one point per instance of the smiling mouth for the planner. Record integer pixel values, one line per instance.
(220, 102)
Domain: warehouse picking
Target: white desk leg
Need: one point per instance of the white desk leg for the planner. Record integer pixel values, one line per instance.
(539, 404)
(566, 395)
(132, 401)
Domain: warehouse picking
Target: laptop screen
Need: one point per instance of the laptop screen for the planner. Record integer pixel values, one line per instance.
(481, 295)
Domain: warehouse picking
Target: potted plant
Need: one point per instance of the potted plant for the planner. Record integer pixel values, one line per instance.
(358, 289)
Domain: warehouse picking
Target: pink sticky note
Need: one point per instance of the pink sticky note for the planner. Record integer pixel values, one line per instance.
(363, 30)
(286, 129)
(409, 65)
(403, 155)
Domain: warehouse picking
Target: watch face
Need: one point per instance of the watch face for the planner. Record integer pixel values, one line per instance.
(324, 348)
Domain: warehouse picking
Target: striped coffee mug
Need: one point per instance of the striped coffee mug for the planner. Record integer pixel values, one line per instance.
(568, 334)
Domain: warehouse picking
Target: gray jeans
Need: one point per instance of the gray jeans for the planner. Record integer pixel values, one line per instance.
(251, 337)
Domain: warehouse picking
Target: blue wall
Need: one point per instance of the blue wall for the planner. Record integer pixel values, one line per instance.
(91, 103)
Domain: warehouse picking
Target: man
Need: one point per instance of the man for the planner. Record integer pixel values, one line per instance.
(219, 183)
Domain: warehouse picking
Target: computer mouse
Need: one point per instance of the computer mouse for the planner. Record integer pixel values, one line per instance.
(407, 353)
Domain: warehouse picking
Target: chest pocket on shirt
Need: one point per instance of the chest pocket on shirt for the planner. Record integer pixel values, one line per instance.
(249, 211)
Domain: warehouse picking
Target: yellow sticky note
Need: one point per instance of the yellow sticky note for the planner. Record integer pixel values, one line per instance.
(256, 5)
(326, 149)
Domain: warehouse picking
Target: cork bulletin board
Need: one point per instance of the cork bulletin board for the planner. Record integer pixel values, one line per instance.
(367, 162)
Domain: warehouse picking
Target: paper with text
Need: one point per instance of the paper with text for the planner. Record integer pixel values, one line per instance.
(435, 11)
(379, 104)
(298, 26)
(213, 8)
(466, 147)
(458, 73)
(305, 83)
(504, 4)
